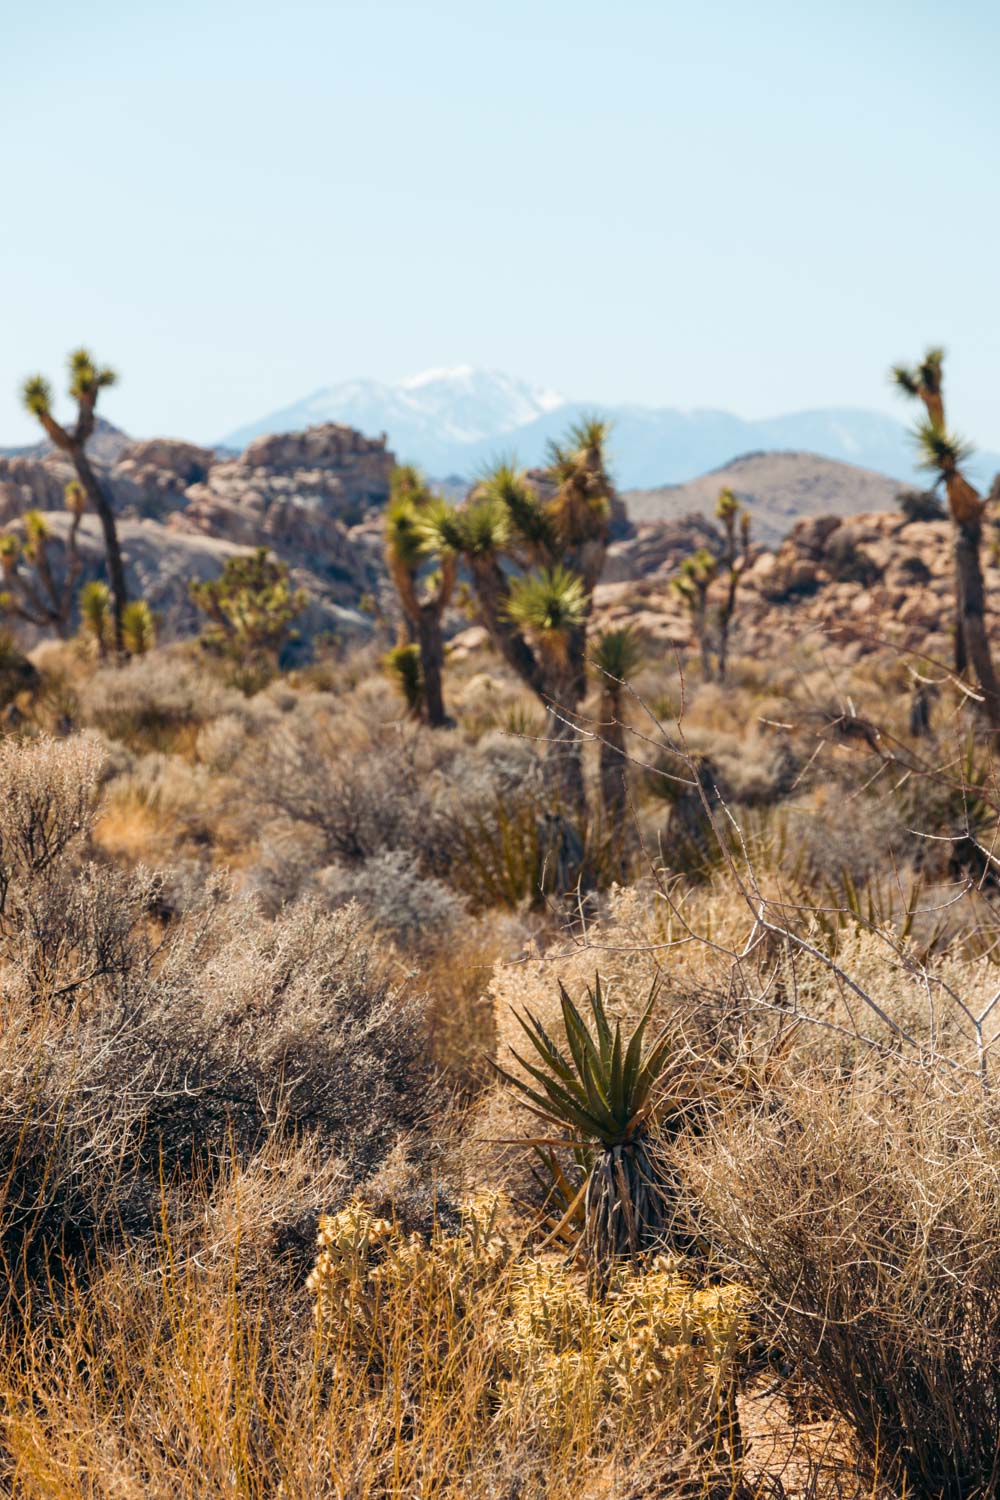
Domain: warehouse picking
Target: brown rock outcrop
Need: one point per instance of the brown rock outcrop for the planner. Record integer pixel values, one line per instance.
(29, 484)
(293, 490)
(151, 478)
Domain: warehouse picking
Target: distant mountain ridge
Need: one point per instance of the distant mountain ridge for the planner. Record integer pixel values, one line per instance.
(778, 489)
(455, 421)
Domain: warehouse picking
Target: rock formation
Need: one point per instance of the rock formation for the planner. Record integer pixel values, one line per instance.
(314, 498)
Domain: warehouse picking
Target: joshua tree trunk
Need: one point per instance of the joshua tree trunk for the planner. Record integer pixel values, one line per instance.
(972, 623)
(563, 688)
(614, 779)
(564, 764)
(614, 794)
(94, 491)
(492, 593)
(432, 664)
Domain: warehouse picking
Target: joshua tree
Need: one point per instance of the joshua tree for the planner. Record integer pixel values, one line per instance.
(423, 571)
(32, 590)
(736, 559)
(617, 657)
(944, 454)
(697, 574)
(251, 607)
(694, 579)
(86, 382)
(535, 546)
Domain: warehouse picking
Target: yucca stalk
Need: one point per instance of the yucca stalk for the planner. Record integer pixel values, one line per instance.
(598, 1094)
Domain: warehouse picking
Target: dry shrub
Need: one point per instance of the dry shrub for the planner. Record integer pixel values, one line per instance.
(156, 702)
(127, 1051)
(415, 910)
(471, 817)
(443, 1365)
(867, 1217)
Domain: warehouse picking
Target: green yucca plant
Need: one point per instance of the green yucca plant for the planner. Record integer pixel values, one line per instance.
(138, 628)
(619, 654)
(403, 664)
(548, 603)
(599, 1095)
(95, 614)
(940, 451)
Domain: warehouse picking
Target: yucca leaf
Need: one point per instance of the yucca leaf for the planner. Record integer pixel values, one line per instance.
(651, 1069)
(573, 1106)
(544, 1044)
(554, 1114)
(598, 1102)
(557, 1090)
(616, 1076)
(633, 1056)
(600, 1020)
(580, 1040)
(633, 1061)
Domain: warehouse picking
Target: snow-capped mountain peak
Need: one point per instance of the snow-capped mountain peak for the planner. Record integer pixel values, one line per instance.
(454, 420)
(428, 413)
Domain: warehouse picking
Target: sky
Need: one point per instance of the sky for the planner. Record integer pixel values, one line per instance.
(750, 207)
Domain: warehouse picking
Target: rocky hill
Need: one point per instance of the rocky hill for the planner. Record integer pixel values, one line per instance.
(854, 583)
(777, 488)
(313, 498)
(106, 446)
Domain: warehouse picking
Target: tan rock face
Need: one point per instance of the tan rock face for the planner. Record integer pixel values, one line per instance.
(151, 478)
(657, 548)
(849, 585)
(314, 498)
(29, 484)
(292, 491)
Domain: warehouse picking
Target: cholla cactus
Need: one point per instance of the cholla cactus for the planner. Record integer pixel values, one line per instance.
(412, 1310)
(944, 454)
(86, 381)
(33, 590)
(423, 568)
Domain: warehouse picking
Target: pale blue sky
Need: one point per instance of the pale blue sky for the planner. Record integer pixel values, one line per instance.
(750, 206)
